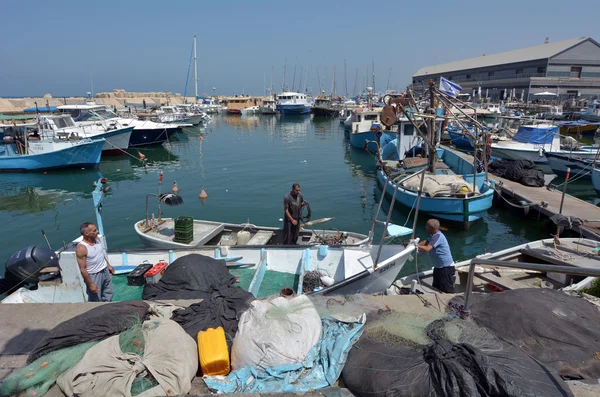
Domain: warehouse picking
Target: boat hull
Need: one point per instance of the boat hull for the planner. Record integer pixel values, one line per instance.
(293, 109)
(325, 112)
(234, 111)
(359, 139)
(141, 137)
(116, 142)
(579, 168)
(460, 140)
(78, 155)
(596, 180)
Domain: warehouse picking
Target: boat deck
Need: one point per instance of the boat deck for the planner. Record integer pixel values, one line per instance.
(547, 202)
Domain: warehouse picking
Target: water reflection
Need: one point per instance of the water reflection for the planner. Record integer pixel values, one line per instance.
(22, 194)
(241, 123)
(292, 128)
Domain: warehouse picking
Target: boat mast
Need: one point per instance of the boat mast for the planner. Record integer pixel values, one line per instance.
(307, 74)
(300, 82)
(345, 80)
(373, 71)
(334, 87)
(294, 79)
(195, 69)
(284, 70)
(431, 128)
(389, 78)
(355, 83)
(319, 80)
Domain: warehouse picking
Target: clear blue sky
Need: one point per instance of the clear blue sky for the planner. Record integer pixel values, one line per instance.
(55, 46)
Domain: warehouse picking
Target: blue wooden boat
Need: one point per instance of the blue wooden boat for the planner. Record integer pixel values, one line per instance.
(596, 180)
(18, 154)
(293, 103)
(461, 206)
(459, 138)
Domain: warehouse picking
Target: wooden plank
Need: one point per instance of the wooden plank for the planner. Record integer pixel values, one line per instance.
(262, 237)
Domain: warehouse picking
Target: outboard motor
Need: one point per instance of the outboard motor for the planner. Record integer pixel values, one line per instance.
(25, 267)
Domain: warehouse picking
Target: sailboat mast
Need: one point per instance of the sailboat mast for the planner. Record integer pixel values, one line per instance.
(373, 71)
(389, 78)
(307, 74)
(345, 80)
(355, 83)
(431, 145)
(300, 82)
(284, 70)
(195, 68)
(319, 80)
(334, 87)
(294, 79)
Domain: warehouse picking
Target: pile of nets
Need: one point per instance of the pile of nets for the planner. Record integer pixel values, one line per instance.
(39, 376)
(401, 354)
(133, 341)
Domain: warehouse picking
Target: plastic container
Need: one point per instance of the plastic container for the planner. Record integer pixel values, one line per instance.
(213, 352)
(155, 274)
(243, 237)
(136, 277)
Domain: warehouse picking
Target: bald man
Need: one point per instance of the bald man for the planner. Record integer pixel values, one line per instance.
(444, 275)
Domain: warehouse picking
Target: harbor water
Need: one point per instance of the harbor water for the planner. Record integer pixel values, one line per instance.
(246, 164)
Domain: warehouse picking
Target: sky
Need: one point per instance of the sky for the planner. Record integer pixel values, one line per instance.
(69, 48)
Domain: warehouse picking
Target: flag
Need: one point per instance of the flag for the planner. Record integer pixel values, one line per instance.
(449, 87)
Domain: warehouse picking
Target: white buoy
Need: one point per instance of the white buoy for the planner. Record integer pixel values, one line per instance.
(203, 194)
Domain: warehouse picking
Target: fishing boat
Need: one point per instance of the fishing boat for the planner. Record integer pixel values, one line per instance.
(452, 193)
(269, 106)
(462, 138)
(570, 252)
(145, 132)
(250, 111)
(579, 168)
(161, 234)
(172, 115)
(193, 114)
(22, 151)
(324, 107)
(293, 103)
(596, 180)
(577, 127)
(366, 129)
(263, 270)
(532, 141)
(116, 137)
(237, 103)
(592, 113)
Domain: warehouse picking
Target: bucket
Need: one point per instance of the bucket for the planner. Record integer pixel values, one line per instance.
(287, 292)
(243, 237)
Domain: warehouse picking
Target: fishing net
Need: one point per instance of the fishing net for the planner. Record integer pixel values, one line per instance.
(132, 341)
(401, 328)
(311, 281)
(39, 376)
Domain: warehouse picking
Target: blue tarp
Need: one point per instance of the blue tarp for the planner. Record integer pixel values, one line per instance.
(41, 109)
(536, 135)
(321, 367)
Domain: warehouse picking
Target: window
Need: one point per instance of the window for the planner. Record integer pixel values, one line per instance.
(541, 70)
(519, 71)
(490, 74)
(409, 129)
(468, 76)
(575, 72)
(370, 117)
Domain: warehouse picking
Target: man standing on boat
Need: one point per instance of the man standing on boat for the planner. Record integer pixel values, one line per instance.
(292, 207)
(444, 275)
(93, 265)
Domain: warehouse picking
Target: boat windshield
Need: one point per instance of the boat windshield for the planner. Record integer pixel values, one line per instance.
(64, 122)
(101, 114)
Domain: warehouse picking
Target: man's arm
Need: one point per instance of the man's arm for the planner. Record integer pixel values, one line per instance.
(424, 246)
(81, 254)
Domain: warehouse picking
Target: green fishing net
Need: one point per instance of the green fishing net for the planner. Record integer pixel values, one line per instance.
(39, 376)
(132, 341)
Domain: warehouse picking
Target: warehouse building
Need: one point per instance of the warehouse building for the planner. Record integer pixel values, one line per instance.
(564, 69)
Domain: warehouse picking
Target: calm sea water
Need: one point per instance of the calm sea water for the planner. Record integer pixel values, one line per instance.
(246, 165)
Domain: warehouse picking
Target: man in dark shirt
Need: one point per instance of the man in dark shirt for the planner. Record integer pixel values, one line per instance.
(292, 206)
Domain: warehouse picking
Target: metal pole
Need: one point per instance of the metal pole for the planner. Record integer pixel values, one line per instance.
(412, 236)
(387, 221)
(195, 69)
(562, 199)
(371, 233)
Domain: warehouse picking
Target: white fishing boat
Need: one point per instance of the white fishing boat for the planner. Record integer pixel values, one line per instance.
(250, 110)
(569, 252)
(531, 141)
(161, 234)
(194, 115)
(144, 132)
(116, 135)
(269, 106)
(170, 114)
(343, 270)
(592, 113)
(293, 103)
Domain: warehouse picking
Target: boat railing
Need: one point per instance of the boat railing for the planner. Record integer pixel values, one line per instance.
(542, 267)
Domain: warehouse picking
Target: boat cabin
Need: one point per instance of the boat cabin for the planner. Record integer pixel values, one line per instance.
(82, 113)
(292, 98)
(239, 103)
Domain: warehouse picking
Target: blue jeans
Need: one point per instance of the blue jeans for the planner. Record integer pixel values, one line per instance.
(103, 280)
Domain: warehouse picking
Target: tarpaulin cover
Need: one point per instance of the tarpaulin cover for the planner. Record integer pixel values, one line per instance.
(192, 276)
(558, 330)
(523, 171)
(222, 309)
(538, 135)
(321, 367)
(41, 109)
(170, 357)
(96, 324)
(382, 368)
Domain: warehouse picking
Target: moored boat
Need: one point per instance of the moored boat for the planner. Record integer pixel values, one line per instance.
(596, 180)
(293, 103)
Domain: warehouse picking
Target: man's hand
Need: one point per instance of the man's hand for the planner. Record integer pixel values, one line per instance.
(294, 222)
(93, 288)
(111, 270)
(303, 204)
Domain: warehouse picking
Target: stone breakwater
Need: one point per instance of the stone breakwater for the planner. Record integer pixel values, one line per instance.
(117, 98)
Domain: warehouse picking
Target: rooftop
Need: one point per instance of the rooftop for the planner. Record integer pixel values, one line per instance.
(522, 55)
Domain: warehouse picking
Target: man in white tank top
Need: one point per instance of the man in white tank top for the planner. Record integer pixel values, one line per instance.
(93, 265)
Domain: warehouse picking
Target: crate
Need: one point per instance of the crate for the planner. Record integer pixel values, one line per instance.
(155, 274)
(184, 237)
(136, 276)
(184, 223)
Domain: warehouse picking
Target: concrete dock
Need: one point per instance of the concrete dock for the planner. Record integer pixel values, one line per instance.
(542, 202)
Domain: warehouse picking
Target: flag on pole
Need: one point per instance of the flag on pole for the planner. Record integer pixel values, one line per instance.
(449, 87)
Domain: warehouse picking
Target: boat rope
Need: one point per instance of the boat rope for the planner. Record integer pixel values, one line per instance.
(143, 161)
(580, 174)
(511, 203)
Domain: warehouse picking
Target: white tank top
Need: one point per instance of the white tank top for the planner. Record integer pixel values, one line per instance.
(95, 261)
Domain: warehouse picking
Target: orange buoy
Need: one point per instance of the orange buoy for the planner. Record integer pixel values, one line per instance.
(203, 194)
(175, 188)
(142, 155)
(201, 138)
